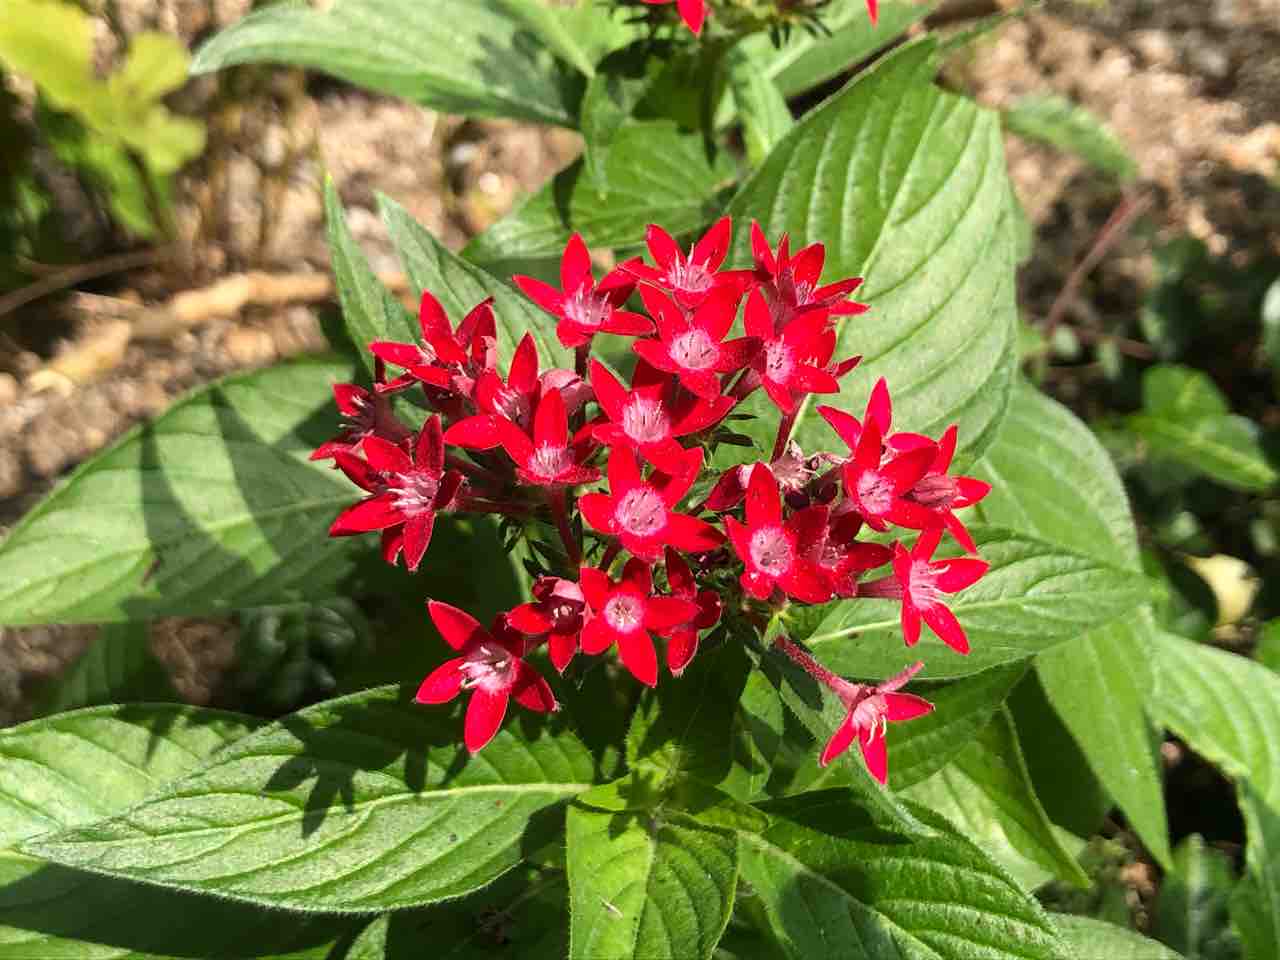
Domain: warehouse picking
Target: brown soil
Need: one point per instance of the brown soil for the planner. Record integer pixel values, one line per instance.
(1188, 85)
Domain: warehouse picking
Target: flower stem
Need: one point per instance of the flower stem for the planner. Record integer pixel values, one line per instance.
(809, 665)
(557, 498)
(476, 505)
(610, 553)
(784, 433)
(580, 356)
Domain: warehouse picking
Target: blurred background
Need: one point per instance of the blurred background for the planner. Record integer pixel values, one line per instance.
(157, 231)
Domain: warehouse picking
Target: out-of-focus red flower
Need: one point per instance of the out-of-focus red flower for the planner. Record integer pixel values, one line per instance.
(692, 12)
(491, 665)
(366, 413)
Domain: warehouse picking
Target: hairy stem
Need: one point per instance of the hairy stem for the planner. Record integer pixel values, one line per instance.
(557, 499)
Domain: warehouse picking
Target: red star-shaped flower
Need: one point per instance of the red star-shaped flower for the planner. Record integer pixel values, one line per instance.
(548, 459)
(446, 359)
(941, 493)
(625, 612)
(558, 612)
(645, 420)
(690, 343)
(641, 512)
(583, 307)
(491, 665)
(776, 553)
(682, 639)
(365, 414)
(840, 557)
(790, 283)
(406, 493)
(875, 489)
(690, 278)
(792, 360)
(692, 12)
(871, 710)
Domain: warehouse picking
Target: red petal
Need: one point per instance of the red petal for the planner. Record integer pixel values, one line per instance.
(638, 656)
(399, 354)
(656, 354)
(562, 647)
(928, 542)
(523, 375)
(351, 399)
(481, 432)
(662, 247)
(547, 297)
(358, 471)
(428, 454)
(443, 683)
(667, 455)
(740, 537)
(598, 509)
(701, 383)
(610, 394)
(761, 252)
(905, 706)
(808, 526)
(845, 425)
(573, 335)
(374, 513)
(417, 537)
(532, 691)
(711, 250)
(392, 544)
(872, 10)
(806, 265)
(910, 622)
(624, 472)
(679, 576)
(664, 613)
(693, 12)
(637, 575)
(907, 513)
(673, 486)
(970, 491)
(756, 318)
(691, 534)
(597, 637)
(736, 354)
(757, 584)
(551, 422)
(839, 742)
(782, 398)
(680, 650)
(810, 379)
(624, 323)
(595, 587)
(956, 574)
(385, 457)
(946, 626)
(880, 406)
(805, 583)
(484, 717)
(960, 532)
(906, 469)
(575, 265)
(764, 508)
(529, 619)
(717, 313)
(876, 755)
(459, 629)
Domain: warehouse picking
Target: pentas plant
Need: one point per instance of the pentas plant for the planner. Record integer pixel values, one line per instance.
(660, 543)
(694, 12)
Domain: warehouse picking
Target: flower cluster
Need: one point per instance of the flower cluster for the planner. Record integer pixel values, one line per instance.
(694, 12)
(654, 548)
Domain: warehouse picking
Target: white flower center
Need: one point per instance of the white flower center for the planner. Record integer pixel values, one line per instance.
(489, 667)
(644, 420)
(624, 612)
(586, 309)
(549, 462)
(641, 512)
(513, 405)
(938, 491)
(779, 361)
(875, 492)
(414, 490)
(924, 588)
(771, 551)
(689, 276)
(694, 350)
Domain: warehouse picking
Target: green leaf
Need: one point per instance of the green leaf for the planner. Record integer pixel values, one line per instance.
(1100, 686)
(833, 887)
(52, 43)
(1227, 708)
(460, 285)
(987, 793)
(580, 34)
(1055, 120)
(611, 99)
(457, 56)
(905, 185)
(369, 310)
(359, 804)
(117, 667)
(212, 507)
(1186, 419)
(1088, 938)
(1098, 683)
(761, 107)
(810, 58)
(1034, 596)
(647, 884)
(654, 174)
(155, 65)
(77, 767)
(1191, 911)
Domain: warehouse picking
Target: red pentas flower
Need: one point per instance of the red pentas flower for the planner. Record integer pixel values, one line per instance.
(366, 414)
(919, 582)
(646, 419)
(690, 342)
(558, 612)
(548, 459)
(406, 492)
(625, 612)
(446, 359)
(875, 489)
(682, 639)
(640, 512)
(871, 710)
(790, 283)
(941, 493)
(841, 558)
(691, 278)
(583, 307)
(774, 552)
(692, 12)
(792, 360)
(491, 665)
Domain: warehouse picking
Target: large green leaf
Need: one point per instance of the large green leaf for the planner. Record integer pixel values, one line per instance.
(832, 887)
(811, 57)
(1088, 938)
(652, 172)
(360, 804)
(906, 185)
(1034, 596)
(369, 310)
(77, 767)
(1185, 418)
(212, 507)
(1227, 708)
(580, 33)
(1098, 683)
(761, 107)
(458, 56)
(460, 285)
(986, 791)
(646, 884)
